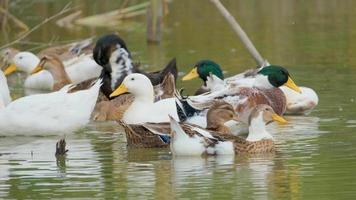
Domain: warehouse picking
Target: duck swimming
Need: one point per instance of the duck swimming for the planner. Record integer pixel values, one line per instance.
(47, 114)
(211, 75)
(264, 91)
(78, 69)
(144, 108)
(188, 140)
(112, 54)
(150, 135)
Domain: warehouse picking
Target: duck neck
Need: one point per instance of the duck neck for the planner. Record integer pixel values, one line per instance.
(262, 82)
(257, 129)
(120, 67)
(216, 125)
(145, 95)
(60, 77)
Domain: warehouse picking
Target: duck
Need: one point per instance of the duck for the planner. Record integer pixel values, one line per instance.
(157, 135)
(144, 108)
(265, 90)
(188, 140)
(7, 56)
(47, 114)
(57, 70)
(63, 52)
(114, 109)
(112, 54)
(78, 69)
(213, 80)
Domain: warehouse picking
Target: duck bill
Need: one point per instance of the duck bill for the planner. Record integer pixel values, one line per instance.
(290, 83)
(279, 119)
(120, 90)
(191, 75)
(10, 69)
(37, 69)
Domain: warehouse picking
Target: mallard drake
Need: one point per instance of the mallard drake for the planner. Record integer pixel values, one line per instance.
(47, 114)
(109, 110)
(211, 75)
(112, 54)
(144, 108)
(264, 91)
(78, 69)
(191, 140)
(151, 135)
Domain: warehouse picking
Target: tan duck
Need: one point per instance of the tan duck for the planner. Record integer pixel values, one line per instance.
(150, 135)
(192, 140)
(55, 66)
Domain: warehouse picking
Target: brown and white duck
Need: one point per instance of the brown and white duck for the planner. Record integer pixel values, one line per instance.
(149, 135)
(192, 140)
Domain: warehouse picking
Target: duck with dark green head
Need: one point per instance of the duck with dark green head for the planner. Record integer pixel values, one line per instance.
(299, 101)
(264, 90)
(203, 69)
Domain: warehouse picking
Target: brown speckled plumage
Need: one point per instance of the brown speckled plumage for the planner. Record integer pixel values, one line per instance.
(112, 110)
(241, 146)
(140, 137)
(272, 97)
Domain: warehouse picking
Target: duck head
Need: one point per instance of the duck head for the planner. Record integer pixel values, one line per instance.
(274, 76)
(220, 113)
(203, 69)
(104, 48)
(8, 55)
(137, 84)
(23, 61)
(50, 63)
(260, 116)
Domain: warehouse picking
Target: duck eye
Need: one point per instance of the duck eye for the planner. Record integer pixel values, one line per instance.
(20, 57)
(132, 79)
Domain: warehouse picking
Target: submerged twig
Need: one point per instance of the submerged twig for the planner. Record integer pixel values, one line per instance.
(61, 148)
(24, 35)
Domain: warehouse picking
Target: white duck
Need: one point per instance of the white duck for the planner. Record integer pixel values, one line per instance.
(79, 69)
(46, 114)
(143, 108)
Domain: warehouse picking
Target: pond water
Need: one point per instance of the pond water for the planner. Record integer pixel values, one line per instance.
(316, 157)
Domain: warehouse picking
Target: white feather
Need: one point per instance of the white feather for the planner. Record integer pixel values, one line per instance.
(48, 114)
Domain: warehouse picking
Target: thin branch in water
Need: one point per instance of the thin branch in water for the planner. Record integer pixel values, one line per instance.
(66, 9)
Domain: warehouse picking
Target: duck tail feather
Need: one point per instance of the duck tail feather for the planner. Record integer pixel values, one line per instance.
(184, 107)
(171, 67)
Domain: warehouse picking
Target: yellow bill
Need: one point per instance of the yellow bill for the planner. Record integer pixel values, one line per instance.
(10, 69)
(37, 69)
(191, 75)
(290, 83)
(120, 90)
(278, 118)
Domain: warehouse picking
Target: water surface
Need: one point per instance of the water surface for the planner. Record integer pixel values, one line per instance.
(316, 157)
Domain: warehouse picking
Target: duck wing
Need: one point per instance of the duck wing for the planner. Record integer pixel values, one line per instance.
(166, 89)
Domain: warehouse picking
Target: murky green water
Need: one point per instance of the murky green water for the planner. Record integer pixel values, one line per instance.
(316, 157)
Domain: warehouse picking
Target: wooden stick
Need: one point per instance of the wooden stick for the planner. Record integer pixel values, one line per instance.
(64, 10)
(241, 33)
